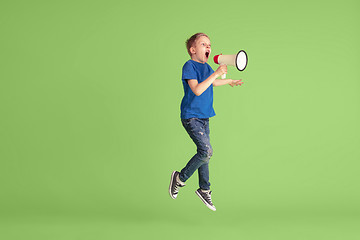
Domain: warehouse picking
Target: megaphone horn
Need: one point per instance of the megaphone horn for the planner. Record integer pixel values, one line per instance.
(239, 60)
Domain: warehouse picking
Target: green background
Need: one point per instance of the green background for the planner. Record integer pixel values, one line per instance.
(90, 130)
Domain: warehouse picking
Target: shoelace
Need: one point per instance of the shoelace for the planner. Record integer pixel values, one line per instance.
(176, 188)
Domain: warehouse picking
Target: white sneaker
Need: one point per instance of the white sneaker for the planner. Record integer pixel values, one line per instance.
(175, 184)
(206, 198)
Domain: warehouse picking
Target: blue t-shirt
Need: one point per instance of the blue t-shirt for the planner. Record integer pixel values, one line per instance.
(193, 106)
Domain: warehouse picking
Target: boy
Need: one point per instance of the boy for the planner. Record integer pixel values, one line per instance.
(196, 108)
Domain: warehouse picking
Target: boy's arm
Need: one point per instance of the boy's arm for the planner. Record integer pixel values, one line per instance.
(231, 82)
(220, 82)
(199, 88)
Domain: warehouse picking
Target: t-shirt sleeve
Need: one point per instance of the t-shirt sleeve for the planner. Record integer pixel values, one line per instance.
(211, 70)
(188, 72)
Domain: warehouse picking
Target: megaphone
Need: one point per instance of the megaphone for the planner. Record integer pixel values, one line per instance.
(239, 60)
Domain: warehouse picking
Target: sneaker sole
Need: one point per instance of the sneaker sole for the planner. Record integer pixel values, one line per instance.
(203, 200)
(171, 183)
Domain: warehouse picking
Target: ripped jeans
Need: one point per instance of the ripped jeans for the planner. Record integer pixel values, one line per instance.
(199, 132)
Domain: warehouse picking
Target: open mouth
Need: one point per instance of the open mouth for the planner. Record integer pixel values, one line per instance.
(207, 54)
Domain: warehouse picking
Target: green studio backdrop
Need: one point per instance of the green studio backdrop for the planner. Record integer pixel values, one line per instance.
(90, 120)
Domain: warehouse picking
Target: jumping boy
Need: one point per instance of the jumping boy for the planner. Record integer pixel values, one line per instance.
(196, 108)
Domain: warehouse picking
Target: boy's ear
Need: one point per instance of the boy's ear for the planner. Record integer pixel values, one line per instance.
(192, 50)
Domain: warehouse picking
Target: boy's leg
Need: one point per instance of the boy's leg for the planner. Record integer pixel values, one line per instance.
(198, 132)
(203, 170)
(198, 129)
(203, 173)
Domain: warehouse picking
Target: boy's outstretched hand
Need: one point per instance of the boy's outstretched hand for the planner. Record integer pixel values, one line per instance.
(236, 82)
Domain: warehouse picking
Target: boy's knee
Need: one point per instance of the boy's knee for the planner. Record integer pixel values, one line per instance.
(207, 153)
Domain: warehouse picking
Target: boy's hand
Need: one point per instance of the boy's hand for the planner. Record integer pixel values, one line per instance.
(222, 69)
(236, 82)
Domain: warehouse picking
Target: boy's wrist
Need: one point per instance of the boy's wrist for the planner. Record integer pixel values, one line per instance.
(216, 75)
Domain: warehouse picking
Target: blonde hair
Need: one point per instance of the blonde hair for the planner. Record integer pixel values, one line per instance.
(190, 42)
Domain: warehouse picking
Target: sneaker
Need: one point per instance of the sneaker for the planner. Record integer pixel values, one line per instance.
(175, 184)
(206, 198)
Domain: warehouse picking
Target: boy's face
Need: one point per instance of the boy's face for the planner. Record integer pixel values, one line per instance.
(201, 50)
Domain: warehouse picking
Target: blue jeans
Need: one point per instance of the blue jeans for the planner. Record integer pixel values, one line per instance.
(199, 132)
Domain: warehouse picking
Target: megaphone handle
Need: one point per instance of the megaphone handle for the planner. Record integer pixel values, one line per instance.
(224, 75)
